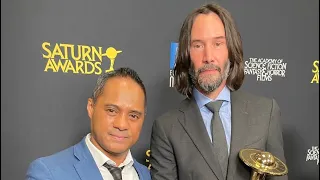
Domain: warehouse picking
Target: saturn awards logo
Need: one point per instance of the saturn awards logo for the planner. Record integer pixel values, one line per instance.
(315, 72)
(78, 59)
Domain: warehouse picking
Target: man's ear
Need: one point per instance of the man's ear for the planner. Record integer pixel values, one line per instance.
(90, 107)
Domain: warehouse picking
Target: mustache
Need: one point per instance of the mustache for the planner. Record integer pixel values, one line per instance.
(209, 67)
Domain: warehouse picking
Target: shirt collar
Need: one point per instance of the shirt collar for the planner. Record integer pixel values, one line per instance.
(202, 100)
(101, 158)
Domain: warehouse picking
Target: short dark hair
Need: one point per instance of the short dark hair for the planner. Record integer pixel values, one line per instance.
(121, 72)
(183, 82)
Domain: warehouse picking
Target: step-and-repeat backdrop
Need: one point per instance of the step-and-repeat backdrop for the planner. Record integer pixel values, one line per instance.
(53, 51)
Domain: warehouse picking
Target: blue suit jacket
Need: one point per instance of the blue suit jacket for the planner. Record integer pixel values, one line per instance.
(74, 163)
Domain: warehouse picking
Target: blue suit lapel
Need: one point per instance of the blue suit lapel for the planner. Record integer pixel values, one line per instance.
(86, 167)
(139, 170)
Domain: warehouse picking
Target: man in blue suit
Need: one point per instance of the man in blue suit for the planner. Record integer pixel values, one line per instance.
(117, 111)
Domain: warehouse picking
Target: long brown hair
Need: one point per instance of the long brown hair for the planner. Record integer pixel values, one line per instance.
(183, 82)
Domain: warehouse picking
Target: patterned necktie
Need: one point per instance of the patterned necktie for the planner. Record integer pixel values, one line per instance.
(218, 136)
(115, 171)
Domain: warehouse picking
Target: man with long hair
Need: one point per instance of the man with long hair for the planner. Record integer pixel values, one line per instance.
(201, 139)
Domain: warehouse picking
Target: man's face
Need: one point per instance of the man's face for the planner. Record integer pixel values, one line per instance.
(117, 116)
(208, 52)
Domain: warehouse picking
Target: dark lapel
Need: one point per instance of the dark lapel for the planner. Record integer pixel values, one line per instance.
(192, 122)
(239, 125)
(86, 167)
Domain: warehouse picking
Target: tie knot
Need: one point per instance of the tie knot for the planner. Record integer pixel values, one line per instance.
(115, 171)
(214, 106)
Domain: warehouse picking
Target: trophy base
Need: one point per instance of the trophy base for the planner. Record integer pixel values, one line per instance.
(256, 176)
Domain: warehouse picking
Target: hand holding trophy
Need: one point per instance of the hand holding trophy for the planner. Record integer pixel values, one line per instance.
(262, 163)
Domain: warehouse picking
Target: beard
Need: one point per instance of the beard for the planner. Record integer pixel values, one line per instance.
(208, 82)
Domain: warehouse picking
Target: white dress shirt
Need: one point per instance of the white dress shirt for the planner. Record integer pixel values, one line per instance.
(128, 172)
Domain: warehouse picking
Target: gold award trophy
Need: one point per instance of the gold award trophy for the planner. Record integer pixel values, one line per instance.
(262, 164)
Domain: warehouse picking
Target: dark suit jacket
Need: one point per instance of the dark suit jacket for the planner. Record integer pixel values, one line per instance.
(181, 148)
(74, 163)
